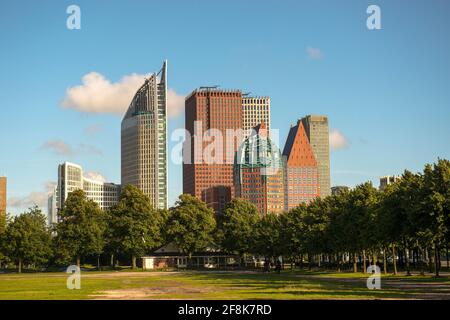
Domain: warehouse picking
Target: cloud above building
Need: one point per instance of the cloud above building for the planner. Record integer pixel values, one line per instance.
(338, 140)
(95, 176)
(35, 198)
(57, 147)
(97, 94)
(314, 53)
(61, 148)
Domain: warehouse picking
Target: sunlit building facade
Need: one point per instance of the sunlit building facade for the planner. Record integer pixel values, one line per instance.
(208, 179)
(144, 140)
(259, 173)
(70, 178)
(316, 128)
(255, 110)
(302, 179)
(3, 182)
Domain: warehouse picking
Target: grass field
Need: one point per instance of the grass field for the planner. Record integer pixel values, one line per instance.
(220, 285)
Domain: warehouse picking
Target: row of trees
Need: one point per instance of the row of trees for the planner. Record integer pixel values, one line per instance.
(409, 221)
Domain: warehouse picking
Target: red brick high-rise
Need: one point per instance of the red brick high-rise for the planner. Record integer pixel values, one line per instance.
(205, 109)
(302, 181)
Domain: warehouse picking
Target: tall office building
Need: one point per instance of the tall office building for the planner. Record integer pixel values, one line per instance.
(302, 183)
(3, 181)
(259, 173)
(255, 110)
(70, 178)
(144, 139)
(316, 128)
(211, 180)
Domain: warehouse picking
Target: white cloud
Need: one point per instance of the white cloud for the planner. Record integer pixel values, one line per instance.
(314, 53)
(39, 198)
(338, 140)
(95, 176)
(59, 147)
(97, 94)
(175, 103)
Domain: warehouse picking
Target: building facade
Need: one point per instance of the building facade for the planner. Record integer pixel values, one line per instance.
(255, 110)
(70, 178)
(3, 195)
(302, 178)
(259, 173)
(209, 175)
(52, 210)
(144, 140)
(316, 128)
(387, 180)
(209, 108)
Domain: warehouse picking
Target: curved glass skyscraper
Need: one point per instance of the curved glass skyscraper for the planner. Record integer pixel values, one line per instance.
(144, 139)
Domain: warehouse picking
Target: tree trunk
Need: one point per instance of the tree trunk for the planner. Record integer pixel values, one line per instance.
(447, 257)
(364, 262)
(112, 260)
(439, 258)
(374, 259)
(98, 263)
(78, 261)
(384, 261)
(394, 259)
(309, 262)
(355, 265)
(20, 265)
(408, 271)
(436, 261)
(430, 261)
(421, 258)
(133, 262)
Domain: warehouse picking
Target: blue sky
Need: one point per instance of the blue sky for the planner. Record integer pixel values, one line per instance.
(386, 91)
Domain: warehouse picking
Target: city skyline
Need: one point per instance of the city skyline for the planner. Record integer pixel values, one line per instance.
(387, 106)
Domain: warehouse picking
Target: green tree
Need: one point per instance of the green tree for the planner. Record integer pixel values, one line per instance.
(135, 224)
(80, 232)
(433, 214)
(191, 225)
(316, 220)
(292, 235)
(27, 239)
(237, 226)
(3, 256)
(267, 236)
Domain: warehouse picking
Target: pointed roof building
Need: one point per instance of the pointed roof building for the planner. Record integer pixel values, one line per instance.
(302, 183)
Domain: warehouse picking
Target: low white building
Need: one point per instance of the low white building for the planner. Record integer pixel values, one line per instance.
(387, 180)
(71, 178)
